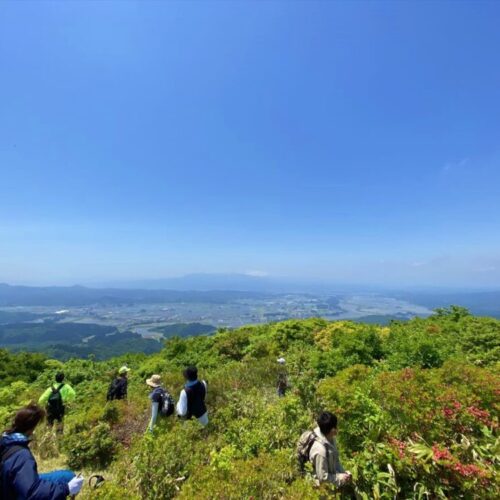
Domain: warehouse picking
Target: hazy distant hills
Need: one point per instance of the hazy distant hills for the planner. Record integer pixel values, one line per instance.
(82, 296)
(226, 288)
(223, 282)
(486, 303)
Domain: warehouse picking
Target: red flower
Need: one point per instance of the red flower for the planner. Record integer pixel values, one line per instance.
(441, 453)
(481, 415)
(468, 470)
(448, 413)
(399, 445)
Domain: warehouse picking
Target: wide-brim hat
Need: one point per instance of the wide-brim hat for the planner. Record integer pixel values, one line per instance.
(154, 381)
(123, 369)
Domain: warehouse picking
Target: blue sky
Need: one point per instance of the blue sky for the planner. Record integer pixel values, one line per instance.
(349, 141)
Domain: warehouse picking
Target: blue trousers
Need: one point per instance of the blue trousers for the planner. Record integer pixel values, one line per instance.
(58, 476)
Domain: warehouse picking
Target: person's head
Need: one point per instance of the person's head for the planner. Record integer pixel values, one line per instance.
(191, 373)
(327, 423)
(154, 381)
(26, 419)
(59, 377)
(123, 371)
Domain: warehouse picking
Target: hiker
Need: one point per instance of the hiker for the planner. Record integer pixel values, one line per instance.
(192, 398)
(162, 402)
(118, 387)
(55, 398)
(282, 384)
(320, 448)
(19, 478)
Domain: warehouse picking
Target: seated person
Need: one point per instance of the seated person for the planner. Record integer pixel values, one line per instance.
(19, 476)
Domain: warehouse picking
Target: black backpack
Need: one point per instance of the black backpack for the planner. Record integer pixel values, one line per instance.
(112, 391)
(55, 406)
(167, 403)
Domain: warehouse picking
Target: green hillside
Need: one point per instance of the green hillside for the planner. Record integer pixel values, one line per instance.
(417, 403)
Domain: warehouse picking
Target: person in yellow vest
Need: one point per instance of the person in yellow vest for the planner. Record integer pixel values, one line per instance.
(55, 399)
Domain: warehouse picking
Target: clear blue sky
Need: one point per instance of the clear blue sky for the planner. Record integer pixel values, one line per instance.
(351, 141)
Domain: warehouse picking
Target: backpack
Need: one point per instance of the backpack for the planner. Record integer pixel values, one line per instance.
(282, 382)
(304, 449)
(55, 406)
(112, 391)
(167, 404)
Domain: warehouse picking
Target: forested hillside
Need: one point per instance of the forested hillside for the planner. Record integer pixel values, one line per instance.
(417, 403)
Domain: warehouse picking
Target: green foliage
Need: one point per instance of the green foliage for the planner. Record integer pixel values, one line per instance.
(64, 340)
(345, 344)
(184, 330)
(89, 446)
(158, 464)
(21, 366)
(268, 476)
(417, 403)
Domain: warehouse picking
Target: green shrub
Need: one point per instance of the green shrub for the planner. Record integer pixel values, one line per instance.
(92, 447)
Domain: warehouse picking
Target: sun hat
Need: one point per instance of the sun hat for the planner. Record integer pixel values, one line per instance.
(123, 369)
(281, 361)
(154, 381)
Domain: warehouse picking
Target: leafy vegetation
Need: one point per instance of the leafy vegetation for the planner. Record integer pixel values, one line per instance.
(417, 403)
(65, 340)
(185, 330)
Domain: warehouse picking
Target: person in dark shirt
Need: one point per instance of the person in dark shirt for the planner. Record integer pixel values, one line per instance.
(192, 399)
(119, 386)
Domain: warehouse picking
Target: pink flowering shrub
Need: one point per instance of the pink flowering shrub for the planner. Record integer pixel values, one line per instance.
(434, 428)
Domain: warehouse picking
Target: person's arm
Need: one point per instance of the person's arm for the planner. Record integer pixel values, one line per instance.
(320, 464)
(68, 393)
(154, 415)
(27, 484)
(45, 397)
(182, 404)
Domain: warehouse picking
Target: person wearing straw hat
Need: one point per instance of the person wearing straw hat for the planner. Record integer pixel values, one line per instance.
(119, 386)
(156, 397)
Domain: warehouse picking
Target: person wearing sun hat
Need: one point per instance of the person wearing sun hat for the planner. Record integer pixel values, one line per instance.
(156, 397)
(119, 386)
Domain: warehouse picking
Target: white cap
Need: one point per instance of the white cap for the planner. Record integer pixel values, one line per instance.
(281, 361)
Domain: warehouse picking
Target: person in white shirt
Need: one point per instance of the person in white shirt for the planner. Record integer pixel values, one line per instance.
(192, 398)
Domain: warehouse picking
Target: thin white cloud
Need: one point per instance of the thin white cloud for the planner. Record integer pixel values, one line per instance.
(256, 273)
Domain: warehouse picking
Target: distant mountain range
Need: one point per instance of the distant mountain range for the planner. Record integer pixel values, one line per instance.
(82, 296)
(224, 288)
(242, 282)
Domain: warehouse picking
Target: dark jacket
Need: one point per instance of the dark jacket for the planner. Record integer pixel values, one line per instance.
(196, 399)
(118, 389)
(19, 474)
